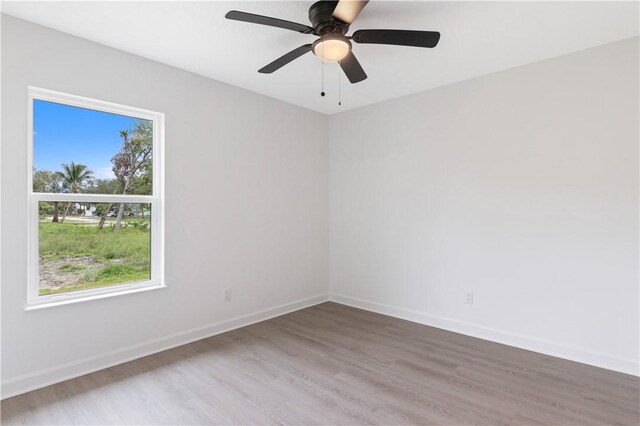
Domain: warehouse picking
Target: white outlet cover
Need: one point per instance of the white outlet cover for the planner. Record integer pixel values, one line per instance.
(469, 298)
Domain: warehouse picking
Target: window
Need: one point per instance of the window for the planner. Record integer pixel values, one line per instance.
(95, 199)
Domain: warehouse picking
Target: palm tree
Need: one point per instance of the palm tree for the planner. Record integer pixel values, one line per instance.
(56, 185)
(73, 176)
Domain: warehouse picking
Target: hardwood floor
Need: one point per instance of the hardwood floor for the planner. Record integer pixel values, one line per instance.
(331, 364)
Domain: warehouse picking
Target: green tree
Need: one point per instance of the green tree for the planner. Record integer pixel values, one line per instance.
(42, 179)
(132, 165)
(48, 181)
(44, 209)
(103, 186)
(74, 176)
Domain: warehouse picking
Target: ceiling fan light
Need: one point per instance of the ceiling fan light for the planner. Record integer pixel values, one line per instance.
(331, 48)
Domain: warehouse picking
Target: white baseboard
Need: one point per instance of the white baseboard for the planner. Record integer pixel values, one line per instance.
(610, 362)
(81, 367)
(46, 377)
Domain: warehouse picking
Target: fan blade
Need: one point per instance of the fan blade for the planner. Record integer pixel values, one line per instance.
(398, 37)
(285, 59)
(352, 68)
(266, 20)
(348, 10)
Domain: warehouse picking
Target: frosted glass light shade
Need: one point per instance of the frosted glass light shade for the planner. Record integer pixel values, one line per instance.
(331, 49)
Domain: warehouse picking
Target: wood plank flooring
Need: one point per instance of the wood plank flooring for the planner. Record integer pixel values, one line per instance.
(331, 364)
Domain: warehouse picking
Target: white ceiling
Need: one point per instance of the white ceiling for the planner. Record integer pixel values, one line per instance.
(477, 38)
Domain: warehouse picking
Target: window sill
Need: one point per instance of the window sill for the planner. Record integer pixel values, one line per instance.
(69, 298)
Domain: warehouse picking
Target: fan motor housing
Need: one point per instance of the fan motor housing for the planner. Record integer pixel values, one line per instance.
(320, 15)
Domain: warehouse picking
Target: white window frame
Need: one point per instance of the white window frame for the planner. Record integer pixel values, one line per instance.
(156, 200)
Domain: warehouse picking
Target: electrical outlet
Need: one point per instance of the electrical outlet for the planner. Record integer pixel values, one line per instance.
(469, 298)
(227, 295)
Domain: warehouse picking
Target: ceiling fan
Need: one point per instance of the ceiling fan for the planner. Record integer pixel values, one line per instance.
(331, 20)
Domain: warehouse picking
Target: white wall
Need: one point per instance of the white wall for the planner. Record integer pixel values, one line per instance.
(521, 186)
(246, 208)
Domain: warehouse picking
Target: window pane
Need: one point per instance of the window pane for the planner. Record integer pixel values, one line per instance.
(91, 245)
(79, 150)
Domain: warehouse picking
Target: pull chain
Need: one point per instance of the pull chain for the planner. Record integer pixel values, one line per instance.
(339, 91)
(322, 47)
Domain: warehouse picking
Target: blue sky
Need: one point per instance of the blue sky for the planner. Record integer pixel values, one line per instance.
(63, 133)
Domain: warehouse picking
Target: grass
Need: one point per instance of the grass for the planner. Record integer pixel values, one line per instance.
(112, 257)
(69, 267)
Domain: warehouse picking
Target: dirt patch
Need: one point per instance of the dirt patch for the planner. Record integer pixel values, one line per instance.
(58, 273)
